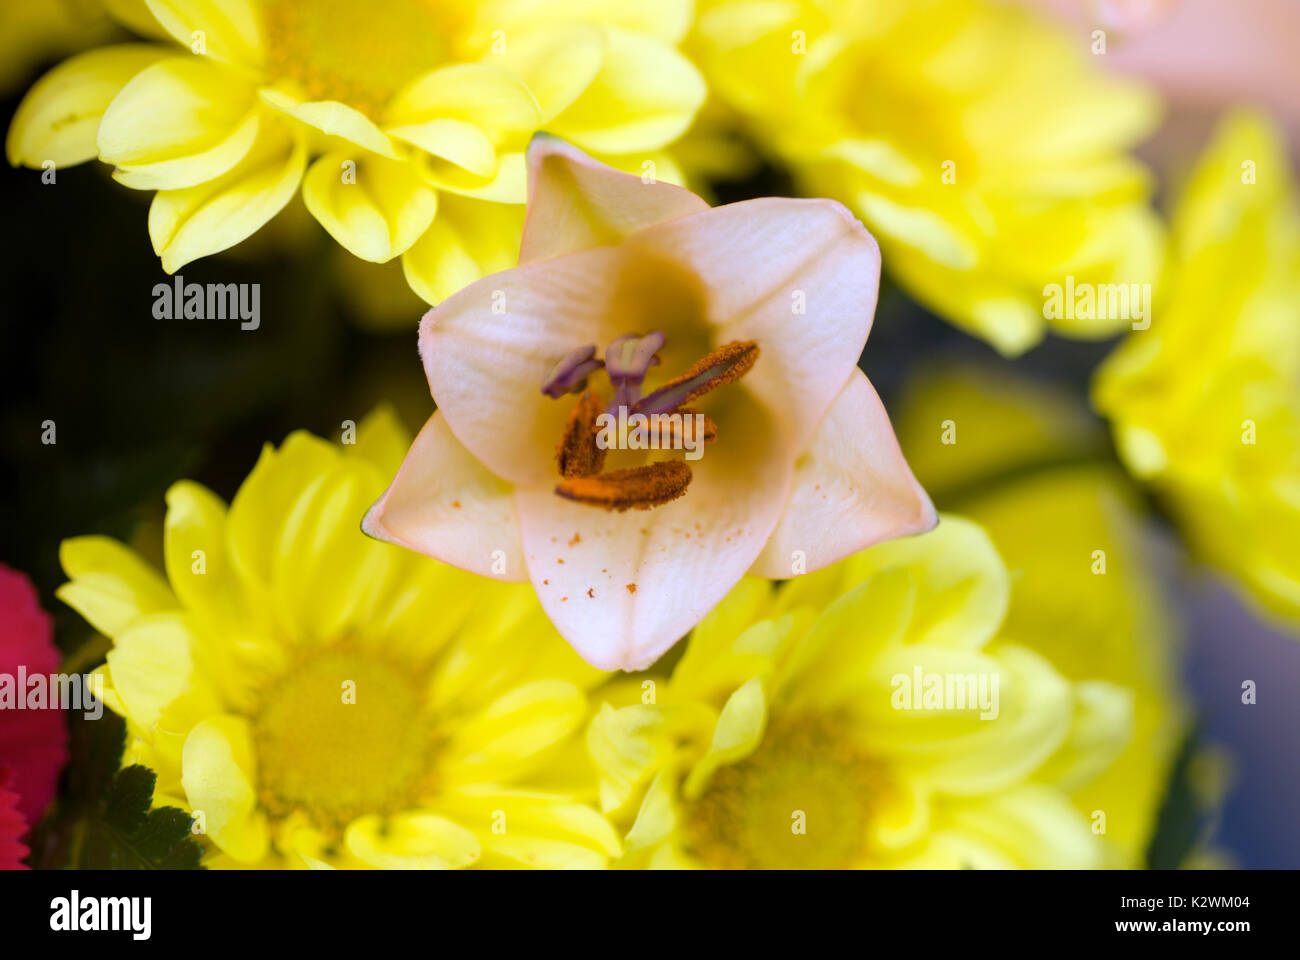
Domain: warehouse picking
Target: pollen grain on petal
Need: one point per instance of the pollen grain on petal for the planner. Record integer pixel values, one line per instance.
(637, 488)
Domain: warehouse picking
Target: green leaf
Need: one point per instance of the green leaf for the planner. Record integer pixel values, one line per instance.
(104, 821)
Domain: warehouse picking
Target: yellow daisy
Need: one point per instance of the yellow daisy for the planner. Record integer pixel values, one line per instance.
(403, 122)
(978, 145)
(868, 715)
(1205, 404)
(316, 698)
(1027, 464)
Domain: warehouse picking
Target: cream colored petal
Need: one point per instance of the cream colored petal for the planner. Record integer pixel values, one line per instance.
(445, 504)
(800, 277)
(852, 489)
(488, 349)
(624, 587)
(575, 202)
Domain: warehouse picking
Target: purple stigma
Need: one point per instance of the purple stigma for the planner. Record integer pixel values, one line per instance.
(570, 374)
(627, 360)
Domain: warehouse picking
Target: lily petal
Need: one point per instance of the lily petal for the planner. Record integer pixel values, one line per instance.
(623, 588)
(445, 504)
(800, 277)
(575, 202)
(488, 349)
(852, 489)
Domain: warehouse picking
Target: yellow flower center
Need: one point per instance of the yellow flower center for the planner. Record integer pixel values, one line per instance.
(341, 736)
(803, 800)
(360, 54)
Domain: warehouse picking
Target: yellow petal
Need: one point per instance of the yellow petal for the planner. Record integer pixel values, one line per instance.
(467, 240)
(220, 778)
(508, 182)
(493, 99)
(557, 63)
(227, 29)
(152, 667)
(194, 546)
(457, 141)
(178, 123)
(666, 19)
(201, 220)
(657, 818)
(333, 119)
(110, 585)
(58, 119)
(626, 748)
(510, 733)
(739, 730)
(532, 828)
(379, 213)
(267, 497)
(418, 840)
(644, 97)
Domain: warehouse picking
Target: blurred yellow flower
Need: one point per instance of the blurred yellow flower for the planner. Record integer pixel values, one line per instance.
(1205, 404)
(316, 698)
(873, 714)
(979, 146)
(32, 30)
(402, 104)
(1027, 463)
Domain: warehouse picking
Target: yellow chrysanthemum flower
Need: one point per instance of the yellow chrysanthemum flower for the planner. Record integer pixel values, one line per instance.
(1205, 404)
(978, 145)
(868, 715)
(417, 113)
(1027, 463)
(316, 698)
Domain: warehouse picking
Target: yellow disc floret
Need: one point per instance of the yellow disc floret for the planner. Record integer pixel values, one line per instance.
(341, 736)
(357, 53)
(802, 800)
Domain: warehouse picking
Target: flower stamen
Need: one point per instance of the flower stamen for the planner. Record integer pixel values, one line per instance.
(725, 365)
(579, 455)
(638, 488)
